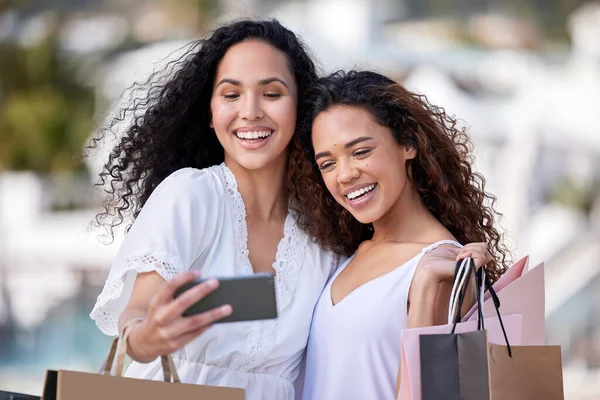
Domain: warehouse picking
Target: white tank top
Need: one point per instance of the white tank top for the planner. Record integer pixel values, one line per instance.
(354, 346)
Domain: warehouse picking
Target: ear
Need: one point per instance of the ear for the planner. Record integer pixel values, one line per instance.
(410, 153)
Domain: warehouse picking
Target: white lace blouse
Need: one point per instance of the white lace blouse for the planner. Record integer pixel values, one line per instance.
(196, 219)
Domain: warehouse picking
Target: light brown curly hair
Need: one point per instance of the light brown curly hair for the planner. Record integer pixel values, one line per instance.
(441, 170)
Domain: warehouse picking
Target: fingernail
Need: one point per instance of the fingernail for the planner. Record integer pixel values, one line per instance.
(226, 309)
(212, 283)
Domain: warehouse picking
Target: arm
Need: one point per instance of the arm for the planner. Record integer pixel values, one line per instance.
(429, 295)
(154, 260)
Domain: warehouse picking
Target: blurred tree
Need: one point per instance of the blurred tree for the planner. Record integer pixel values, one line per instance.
(45, 113)
(572, 193)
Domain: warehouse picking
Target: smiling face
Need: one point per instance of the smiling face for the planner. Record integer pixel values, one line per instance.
(253, 105)
(362, 164)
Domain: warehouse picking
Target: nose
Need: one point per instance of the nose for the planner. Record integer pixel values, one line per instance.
(347, 172)
(251, 108)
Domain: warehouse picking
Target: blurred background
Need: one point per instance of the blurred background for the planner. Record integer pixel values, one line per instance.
(522, 75)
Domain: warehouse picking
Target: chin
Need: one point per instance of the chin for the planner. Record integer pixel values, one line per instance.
(255, 162)
(363, 217)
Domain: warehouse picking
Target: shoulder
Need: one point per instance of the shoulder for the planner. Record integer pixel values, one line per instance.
(190, 185)
(443, 246)
(193, 180)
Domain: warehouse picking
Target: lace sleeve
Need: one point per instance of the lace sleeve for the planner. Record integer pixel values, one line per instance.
(170, 233)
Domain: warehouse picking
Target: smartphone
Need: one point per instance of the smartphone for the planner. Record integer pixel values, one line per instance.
(252, 297)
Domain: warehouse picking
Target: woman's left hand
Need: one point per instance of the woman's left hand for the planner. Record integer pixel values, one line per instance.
(439, 265)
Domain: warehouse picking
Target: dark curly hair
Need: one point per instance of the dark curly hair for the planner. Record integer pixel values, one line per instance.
(169, 123)
(441, 170)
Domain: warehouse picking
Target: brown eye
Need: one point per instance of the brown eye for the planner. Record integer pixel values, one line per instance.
(272, 96)
(362, 153)
(326, 165)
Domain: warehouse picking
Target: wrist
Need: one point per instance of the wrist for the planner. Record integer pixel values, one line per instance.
(134, 350)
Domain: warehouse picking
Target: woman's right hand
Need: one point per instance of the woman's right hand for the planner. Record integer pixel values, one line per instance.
(164, 329)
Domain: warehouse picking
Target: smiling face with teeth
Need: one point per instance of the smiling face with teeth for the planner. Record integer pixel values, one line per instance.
(361, 163)
(253, 105)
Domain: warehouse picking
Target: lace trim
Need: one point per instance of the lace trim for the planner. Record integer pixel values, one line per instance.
(239, 216)
(261, 334)
(165, 264)
(288, 261)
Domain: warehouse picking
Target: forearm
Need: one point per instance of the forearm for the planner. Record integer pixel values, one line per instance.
(430, 300)
(422, 306)
(129, 314)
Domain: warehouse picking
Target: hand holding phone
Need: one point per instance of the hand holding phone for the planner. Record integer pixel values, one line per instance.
(163, 329)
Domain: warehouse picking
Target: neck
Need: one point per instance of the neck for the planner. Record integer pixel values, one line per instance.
(263, 190)
(409, 221)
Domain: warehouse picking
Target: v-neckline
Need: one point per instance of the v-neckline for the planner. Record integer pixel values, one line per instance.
(349, 260)
(377, 278)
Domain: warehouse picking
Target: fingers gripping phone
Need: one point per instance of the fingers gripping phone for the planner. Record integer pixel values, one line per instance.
(252, 297)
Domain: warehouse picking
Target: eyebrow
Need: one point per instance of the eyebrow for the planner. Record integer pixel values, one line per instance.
(262, 82)
(347, 146)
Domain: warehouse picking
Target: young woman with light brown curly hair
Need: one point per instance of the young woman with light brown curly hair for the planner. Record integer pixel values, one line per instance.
(382, 175)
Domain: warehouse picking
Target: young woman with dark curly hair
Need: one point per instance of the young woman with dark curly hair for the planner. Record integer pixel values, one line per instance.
(383, 175)
(202, 170)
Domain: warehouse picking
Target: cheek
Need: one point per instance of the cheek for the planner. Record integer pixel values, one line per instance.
(329, 181)
(284, 112)
(396, 177)
(387, 170)
(222, 114)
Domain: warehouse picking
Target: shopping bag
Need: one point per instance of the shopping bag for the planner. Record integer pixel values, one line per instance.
(454, 366)
(512, 274)
(409, 370)
(525, 296)
(72, 385)
(529, 373)
(17, 396)
(466, 366)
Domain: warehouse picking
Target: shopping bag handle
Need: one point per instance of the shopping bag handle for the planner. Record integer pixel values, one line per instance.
(462, 277)
(482, 281)
(462, 274)
(485, 282)
(118, 351)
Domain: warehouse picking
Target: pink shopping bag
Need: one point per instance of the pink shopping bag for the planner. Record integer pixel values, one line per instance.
(526, 296)
(513, 273)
